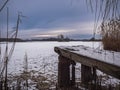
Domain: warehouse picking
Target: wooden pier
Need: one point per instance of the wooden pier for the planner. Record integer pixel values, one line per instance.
(90, 59)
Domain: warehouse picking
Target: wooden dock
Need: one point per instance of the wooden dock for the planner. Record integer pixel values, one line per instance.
(90, 59)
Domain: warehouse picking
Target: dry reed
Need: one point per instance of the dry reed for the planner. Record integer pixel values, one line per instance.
(110, 31)
(109, 12)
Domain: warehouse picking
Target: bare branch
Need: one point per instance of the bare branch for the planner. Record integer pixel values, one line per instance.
(3, 5)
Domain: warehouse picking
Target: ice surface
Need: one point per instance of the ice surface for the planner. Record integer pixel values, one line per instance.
(38, 53)
(43, 60)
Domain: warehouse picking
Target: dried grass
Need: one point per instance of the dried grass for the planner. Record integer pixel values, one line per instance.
(110, 31)
(109, 12)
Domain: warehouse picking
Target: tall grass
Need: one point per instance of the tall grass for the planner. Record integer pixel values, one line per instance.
(110, 31)
(108, 12)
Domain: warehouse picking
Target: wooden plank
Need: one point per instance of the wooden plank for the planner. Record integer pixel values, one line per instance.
(105, 67)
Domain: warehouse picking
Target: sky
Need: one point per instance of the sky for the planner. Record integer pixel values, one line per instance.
(49, 18)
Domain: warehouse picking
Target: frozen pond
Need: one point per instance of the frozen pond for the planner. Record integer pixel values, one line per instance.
(38, 53)
(42, 62)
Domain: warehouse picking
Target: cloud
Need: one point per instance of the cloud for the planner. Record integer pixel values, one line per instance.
(45, 36)
(44, 17)
(41, 13)
(76, 31)
(42, 33)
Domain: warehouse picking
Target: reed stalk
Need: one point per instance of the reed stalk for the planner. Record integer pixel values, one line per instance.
(110, 32)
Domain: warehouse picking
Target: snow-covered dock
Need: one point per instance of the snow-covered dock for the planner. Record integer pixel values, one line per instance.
(103, 60)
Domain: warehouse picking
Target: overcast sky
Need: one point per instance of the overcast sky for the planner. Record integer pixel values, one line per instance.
(49, 18)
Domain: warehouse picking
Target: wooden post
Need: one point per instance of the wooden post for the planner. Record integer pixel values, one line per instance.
(1, 85)
(94, 75)
(73, 75)
(63, 72)
(86, 74)
(72, 82)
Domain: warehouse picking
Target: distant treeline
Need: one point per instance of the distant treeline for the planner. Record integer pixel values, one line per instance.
(11, 40)
(48, 39)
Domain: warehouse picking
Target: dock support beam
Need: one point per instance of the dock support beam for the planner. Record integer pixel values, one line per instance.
(1, 85)
(64, 72)
(73, 75)
(94, 75)
(88, 74)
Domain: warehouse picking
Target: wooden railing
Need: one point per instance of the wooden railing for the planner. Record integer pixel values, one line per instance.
(70, 55)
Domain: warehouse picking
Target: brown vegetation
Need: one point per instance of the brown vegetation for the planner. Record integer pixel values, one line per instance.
(108, 12)
(110, 31)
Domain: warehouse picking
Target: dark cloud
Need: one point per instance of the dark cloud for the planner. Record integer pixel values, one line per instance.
(48, 15)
